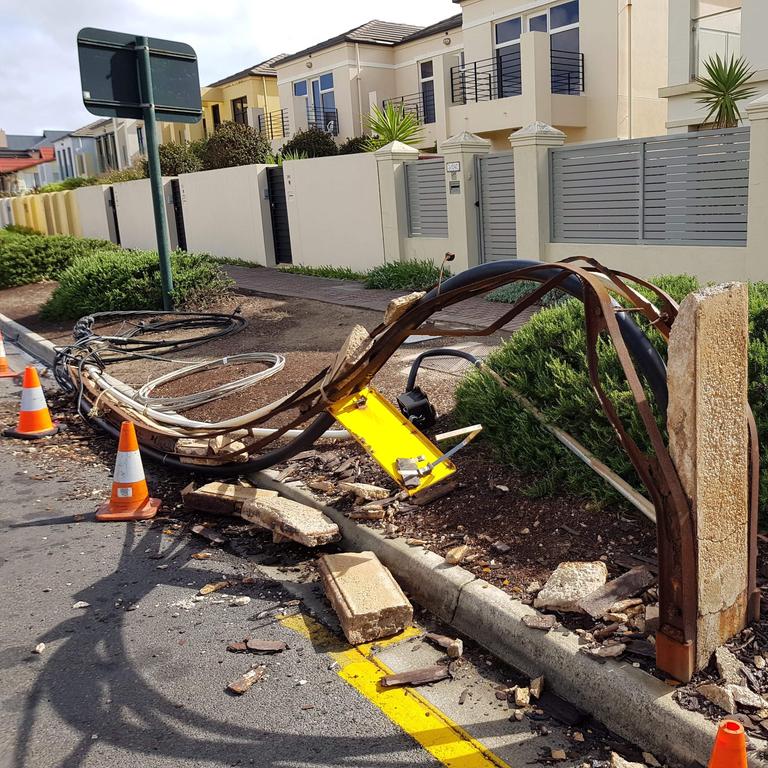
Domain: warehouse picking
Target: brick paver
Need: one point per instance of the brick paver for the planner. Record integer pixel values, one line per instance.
(475, 312)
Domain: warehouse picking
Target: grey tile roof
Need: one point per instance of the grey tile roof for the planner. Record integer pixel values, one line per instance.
(373, 32)
(264, 69)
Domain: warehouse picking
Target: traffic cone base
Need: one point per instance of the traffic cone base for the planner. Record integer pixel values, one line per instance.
(5, 369)
(130, 498)
(148, 510)
(34, 416)
(730, 749)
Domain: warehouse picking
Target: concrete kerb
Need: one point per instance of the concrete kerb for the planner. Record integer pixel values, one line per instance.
(632, 703)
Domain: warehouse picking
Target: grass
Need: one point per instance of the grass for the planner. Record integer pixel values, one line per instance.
(512, 293)
(327, 271)
(235, 262)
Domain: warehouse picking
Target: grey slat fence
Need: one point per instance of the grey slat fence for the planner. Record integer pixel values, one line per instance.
(684, 189)
(496, 195)
(427, 199)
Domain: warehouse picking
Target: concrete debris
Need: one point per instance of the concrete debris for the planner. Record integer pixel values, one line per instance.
(729, 667)
(400, 305)
(719, 696)
(759, 662)
(368, 601)
(208, 534)
(221, 498)
(518, 715)
(457, 554)
(415, 542)
(201, 555)
(746, 697)
(607, 651)
(365, 491)
(537, 687)
(421, 676)
(214, 586)
(265, 646)
(629, 584)
(39, 648)
(236, 602)
(324, 486)
(454, 647)
(522, 696)
(618, 618)
(557, 754)
(602, 634)
(617, 761)
(291, 520)
(578, 736)
(501, 547)
(533, 588)
(649, 759)
(376, 513)
(540, 621)
(242, 684)
(651, 618)
(569, 584)
(81, 604)
(624, 606)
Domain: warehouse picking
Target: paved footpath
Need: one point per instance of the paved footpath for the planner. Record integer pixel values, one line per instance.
(474, 312)
(137, 677)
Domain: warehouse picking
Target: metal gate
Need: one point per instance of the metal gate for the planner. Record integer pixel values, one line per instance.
(112, 215)
(280, 229)
(496, 201)
(178, 214)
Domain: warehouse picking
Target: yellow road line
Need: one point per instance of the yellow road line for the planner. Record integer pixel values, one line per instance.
(444, 739)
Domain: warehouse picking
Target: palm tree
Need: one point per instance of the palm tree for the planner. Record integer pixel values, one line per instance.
(724, 87)
(390, 124)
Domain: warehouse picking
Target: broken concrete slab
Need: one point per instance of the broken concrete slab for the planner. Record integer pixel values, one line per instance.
(729, 667)
(368, 601)
(455, 555)
(421, 676)
(365, 491)
(400, 305)
(537, 687)
(540, 621)
(719, 696)
(208, 534)
(746, 697)
(617, 761)
(625, 586)
(221, 498)
(244, 683)
(454, 647)
(291, 520)
(569, 583)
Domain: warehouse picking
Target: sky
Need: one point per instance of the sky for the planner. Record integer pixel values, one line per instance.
(39, 76)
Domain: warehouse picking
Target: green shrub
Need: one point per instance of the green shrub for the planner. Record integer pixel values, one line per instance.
(336, 273)
(405, 275)
(314, 142)
(107, 281)
(134, 172)
(176, 158)
(354, 145)
(512, 293)
(74, 183)
(233, 144)
(20, 229)
(29, 258)
(545, 362)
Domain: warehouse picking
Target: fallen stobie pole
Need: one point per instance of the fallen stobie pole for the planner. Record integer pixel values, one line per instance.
(633, 496)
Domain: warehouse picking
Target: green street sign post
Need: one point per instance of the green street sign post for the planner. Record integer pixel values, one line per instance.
(143, 78)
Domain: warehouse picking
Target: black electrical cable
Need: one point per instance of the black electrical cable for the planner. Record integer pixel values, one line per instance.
(442, 352)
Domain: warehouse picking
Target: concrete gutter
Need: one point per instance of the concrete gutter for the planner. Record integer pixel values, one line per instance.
(632, 703)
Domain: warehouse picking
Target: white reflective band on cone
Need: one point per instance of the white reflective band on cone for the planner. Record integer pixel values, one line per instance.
(2, 347)
(32, 399)
(128, 467)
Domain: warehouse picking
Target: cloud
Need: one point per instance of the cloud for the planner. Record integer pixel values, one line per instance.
(39, 75)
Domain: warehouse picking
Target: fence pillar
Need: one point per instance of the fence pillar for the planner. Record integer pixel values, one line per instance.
(709, 445)
(536, 73)
(757, 221)
(390, 162)
(532, 194)
(459, 152)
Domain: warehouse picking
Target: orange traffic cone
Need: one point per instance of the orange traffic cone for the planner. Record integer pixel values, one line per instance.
(130, 496)
(5, 369)
(34, 417)
(730, 750)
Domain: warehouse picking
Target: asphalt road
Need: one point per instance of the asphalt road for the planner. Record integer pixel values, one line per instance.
(138, 677)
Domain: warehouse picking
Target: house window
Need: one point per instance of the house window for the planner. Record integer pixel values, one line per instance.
(300, 88)
(70, 162)
(140, 139)
(564, 44)
(538, 23)
(427, 78)
(216, 115)
(240, 110)
(716, 29)
(508, 71)
(322, 111)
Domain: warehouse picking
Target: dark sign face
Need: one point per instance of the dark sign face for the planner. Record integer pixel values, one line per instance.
(109, 74)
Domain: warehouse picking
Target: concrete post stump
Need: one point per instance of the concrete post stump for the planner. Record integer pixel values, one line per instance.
(709, 445)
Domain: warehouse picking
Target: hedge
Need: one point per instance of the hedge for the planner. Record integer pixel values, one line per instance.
(26, 258)
(115, 280)
(545, 362)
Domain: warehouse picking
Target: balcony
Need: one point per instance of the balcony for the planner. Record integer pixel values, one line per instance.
(422, 105)
(274, 125)
(567, 72)
(325, 119)
(488, 79)
(719, 33)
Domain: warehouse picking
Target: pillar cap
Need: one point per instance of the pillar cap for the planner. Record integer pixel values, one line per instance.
(758, 108)
(537, 134)
(396, 149)
(465, 140)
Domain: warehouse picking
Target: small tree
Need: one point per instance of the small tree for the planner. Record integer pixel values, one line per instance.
(314, 142)
(724, 87)
(390, 124)
(179, 158)
(354, 145)
(234, 144)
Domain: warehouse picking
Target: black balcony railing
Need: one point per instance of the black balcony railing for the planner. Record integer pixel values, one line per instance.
(274, 125)
(420, 104)
(488, 79)
(567, 72)
(325, 119)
